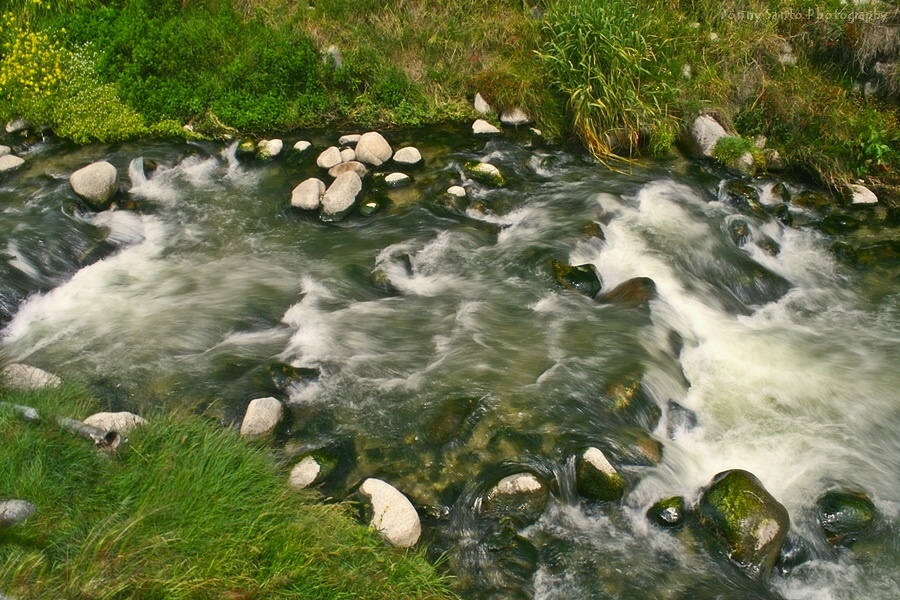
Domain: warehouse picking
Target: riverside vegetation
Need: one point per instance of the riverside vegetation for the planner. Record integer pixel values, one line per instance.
(185, 510)
(621, 76)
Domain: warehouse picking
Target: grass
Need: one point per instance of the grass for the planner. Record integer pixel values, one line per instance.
(187, 510)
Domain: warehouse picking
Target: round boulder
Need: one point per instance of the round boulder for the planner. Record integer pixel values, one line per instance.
(373, 149)
(120, 422)
(329, 158)
(341, 195)
(25, 377)
(308, 194)
(397, 179)
(393, 515)
(485, 173)
(269, 148)
(8, 162)
(96, 184)
(747, 520)
(306, 473)
(408, 157)
(457, 191)
(705, 133)
(262, 417)
(596, 478)
(345, 167)
(348, 155)
(302, 146)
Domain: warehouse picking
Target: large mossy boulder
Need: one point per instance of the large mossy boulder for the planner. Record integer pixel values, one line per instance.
(596, 478)
(843, 515)
(580, 278)
(747, 520)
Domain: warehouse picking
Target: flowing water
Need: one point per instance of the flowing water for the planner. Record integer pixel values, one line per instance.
(467, 362)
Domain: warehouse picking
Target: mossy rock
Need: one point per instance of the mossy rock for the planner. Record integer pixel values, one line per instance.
(811, 199)
(839, 224)
(484, 173)
(886, 252)
(740, 232)
(748, 521)
(782, 213)
(580, 278)
(843, 515)
(596, 478)
(246, 148)
(668, 512)
(450, 419)
(285, 375)
(743, 197)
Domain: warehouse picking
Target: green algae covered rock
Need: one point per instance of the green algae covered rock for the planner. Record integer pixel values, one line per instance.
(748, 521)
(580, 278)
(668, 512)
(520, 498)
(484, 173)
(596, 478)
(843, 515)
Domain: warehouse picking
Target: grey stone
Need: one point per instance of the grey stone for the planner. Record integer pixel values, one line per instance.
(269, 148)
(329, 158)
(521, 498)
(373, 149)
(705, 134)
(17, 125)
(348, 155)
(485, 173)
(341, 195)
(515, 117)
(860, 194)
(394, 516)
(24, 377)
(397, 179)
(120, 422)
(481, 105)
(350, 139)
(262, 417)
(302, 146)
(13, 512)
(308, 194)
(482, 127)
(9, 162)
(304, 473)
(457, 191)
(4, 150)
(346, 167)
(408, 156)
(596, 478)
(96, 183)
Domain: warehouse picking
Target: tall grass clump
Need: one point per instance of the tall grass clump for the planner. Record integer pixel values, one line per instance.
(184, 510)
(616, 64)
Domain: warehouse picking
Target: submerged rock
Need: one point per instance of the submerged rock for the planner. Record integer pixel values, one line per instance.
(748, 521)
(844, 515)
(635, 293)
(96, 184)
(596, 478)
(580, 278)
(13, 512)
(838, 224)
(262, 417)
(393, 515)
(120, 422)
(742, 196)
(284, 375)
(668, 512)
(25, 377)
(679, 419)
(520, 497)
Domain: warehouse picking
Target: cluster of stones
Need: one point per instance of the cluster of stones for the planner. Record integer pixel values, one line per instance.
(348, 164)
(8, 160)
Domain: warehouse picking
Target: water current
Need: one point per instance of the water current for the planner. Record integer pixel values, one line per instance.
(468, 362)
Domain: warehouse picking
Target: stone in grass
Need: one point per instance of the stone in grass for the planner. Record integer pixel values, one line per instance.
(8, 162)
(373, 149)
(515, 117)
(340, 197)
(521, 498)
(484, 173)
(262, 417)
(747, 520)
(17, 125)
(481, 105)
(269, 148)
(329, 158)
(96, 184)
(398, 180)
(482, 127)
(705, 133)
(843, 515)
(579, 278)
(13, 512)
(668, 512)
(25, 377)
(408, 157)
(311, 470)
(596, 478)
(393, 515)
(120, 422)
(860, 195)
(308, 194)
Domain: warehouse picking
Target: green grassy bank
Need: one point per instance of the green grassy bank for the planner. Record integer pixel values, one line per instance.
(622, 76)
(185, 510)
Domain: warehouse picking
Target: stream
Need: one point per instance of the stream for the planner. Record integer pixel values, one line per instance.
(763, 348)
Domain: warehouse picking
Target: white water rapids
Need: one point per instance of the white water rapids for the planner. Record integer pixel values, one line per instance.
(800, 388)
